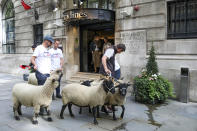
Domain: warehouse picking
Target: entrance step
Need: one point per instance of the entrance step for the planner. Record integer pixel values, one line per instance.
(82, 76)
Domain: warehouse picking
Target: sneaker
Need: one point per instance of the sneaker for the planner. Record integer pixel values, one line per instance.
(59, 96)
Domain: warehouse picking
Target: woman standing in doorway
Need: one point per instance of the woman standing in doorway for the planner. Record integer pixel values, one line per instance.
(96, 53)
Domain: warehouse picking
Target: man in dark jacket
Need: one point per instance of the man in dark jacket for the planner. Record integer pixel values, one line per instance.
(108, 59)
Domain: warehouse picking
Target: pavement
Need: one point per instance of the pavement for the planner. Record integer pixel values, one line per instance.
(170, 116)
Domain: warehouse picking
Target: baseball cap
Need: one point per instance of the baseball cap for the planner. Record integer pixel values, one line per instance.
(49, 38)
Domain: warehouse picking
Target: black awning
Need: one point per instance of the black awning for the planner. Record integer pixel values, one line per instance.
(88, 16)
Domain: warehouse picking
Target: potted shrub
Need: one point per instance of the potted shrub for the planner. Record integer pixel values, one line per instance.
(150, 87)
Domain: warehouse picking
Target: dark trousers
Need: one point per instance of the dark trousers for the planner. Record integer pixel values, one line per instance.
(117, 74)
(58, 88)
(41, 80)
(41, 77)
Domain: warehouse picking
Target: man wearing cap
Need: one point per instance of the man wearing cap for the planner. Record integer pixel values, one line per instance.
(41, 60)
(108, 66)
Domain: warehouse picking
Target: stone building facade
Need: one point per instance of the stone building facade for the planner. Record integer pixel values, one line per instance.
(138, 24)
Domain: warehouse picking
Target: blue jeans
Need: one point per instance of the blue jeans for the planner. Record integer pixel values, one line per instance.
(41, 77)
(117, 74)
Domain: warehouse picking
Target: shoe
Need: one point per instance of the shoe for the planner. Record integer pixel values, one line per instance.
(106, 110)
(59, 96)
(109, 111)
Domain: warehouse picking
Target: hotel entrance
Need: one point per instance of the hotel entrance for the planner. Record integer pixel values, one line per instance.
(87, 35)
(83, 22)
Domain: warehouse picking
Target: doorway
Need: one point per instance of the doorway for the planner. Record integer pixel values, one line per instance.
(87, 33)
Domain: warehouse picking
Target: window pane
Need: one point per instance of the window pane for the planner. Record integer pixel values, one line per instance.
(93, 3)
(38, 34)
(8, 28)
(111, 4)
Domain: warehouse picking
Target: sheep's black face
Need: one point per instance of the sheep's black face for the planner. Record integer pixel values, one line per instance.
(123, 88)
(87, 83)
(109, 86)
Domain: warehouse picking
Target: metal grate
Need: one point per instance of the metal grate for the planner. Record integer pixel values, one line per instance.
(182, 19)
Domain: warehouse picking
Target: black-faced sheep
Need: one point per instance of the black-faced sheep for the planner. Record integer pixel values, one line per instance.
(82, 96)
(35, 96)
(117, 99)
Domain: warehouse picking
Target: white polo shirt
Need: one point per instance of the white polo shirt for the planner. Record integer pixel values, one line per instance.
(43, 59)
(109, 53)
(56, 54)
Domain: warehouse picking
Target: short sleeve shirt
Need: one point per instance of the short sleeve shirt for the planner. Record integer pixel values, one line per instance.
(109, 53)
(56, 55)
(43, 59)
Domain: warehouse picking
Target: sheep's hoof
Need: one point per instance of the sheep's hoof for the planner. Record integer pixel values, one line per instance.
(50, 119)
(17, 118)
(20, 113)
(115, 119)
(61, 116)
(72, 115)
(95, 122)
(35, 122)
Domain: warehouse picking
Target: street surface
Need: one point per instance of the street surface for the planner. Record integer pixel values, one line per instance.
(170, 116)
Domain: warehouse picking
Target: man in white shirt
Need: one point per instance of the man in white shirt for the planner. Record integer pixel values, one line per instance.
(108, 60)
(117, 69)
(56, 62)
(41, 60)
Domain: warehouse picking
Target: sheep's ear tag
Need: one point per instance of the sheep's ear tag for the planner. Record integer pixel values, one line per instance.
(53, 80)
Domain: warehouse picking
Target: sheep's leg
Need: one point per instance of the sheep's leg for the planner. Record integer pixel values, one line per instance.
(62, 111)
(80, 110)
(113, 109)
(98, 113)
(36, 113)
(15, 110)
(19, 109)
(94, 115)
(90, 111)
(49, 114)
(123, 110)
(70, 110)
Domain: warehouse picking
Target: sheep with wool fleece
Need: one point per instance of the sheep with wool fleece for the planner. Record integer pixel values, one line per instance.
(82, 96)
(35, 96)
(116, 99)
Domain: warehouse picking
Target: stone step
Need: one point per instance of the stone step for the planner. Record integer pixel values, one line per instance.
(82, 76)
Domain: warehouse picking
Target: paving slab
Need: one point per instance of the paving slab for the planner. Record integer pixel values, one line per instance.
(170, 116)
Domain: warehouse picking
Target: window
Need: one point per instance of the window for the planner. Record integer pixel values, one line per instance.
(38, 34)
(8, 28)
(182, 19)
(101, 4)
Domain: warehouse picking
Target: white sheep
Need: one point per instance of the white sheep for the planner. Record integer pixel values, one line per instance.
(32, 79)
(116, 99)
(35, 96)
(82, 96)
